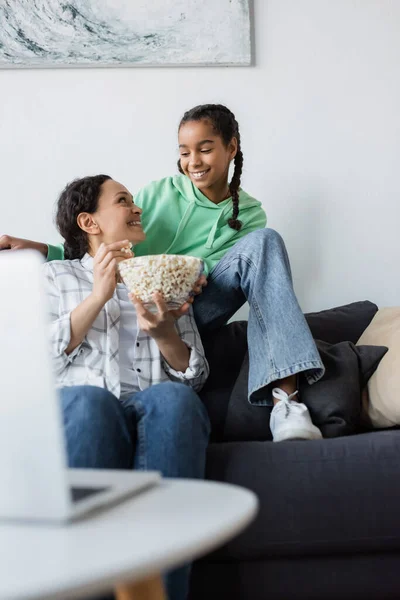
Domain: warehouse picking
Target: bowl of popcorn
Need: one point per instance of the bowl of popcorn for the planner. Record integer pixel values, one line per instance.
(173, 275)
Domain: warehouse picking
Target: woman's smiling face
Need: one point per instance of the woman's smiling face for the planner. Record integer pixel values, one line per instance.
(116, 216)
(205, 159)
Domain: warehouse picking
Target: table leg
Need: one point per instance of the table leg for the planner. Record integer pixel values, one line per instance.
(149, 589)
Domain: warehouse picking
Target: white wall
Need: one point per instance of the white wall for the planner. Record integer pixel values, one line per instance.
(320, 123)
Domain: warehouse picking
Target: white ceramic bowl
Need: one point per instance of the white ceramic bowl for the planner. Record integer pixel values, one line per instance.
(173, 275)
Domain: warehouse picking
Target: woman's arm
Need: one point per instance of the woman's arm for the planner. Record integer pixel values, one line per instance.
(104, 283)
(198, 370)
(178, 340)
(82, 318)
(60, 320)
(161, 327)
(175, 352)
(69, 329)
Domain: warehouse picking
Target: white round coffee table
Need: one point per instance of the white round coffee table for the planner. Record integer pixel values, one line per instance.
(124, 547)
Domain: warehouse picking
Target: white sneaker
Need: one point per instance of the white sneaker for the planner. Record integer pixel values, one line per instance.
(290, 420)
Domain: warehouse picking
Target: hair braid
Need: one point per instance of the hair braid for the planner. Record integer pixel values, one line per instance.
(224, 124)
(234, 187)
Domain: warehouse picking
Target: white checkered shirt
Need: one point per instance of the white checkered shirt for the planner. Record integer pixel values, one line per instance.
(96, 360)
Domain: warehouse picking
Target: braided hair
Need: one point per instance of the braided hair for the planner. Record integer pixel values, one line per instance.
(225, 125)
(81, 195)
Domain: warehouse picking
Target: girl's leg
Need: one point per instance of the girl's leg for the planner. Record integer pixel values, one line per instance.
(280, 343)
(97, 433)
(172, 437)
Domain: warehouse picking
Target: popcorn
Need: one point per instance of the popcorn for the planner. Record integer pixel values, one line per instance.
(126, 250)
(173, 275)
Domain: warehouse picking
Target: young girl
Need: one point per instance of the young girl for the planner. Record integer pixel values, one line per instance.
(200, 213)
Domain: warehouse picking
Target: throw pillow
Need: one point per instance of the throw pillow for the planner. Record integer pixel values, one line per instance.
(343, 323)
(334, 401)
(383, 405)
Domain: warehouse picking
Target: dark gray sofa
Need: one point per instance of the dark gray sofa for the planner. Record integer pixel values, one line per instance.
(329, 520)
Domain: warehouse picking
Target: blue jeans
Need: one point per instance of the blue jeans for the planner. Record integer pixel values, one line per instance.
(280, 343)
(163, 428)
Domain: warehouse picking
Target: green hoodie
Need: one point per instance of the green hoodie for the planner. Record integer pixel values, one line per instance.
(179, 219)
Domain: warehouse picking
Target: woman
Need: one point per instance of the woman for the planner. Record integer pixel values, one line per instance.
(127, 376)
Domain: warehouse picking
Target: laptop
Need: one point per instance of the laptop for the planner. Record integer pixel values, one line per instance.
(35, 481)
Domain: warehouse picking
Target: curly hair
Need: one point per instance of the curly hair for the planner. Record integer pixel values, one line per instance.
(225, 125)
(81, 195)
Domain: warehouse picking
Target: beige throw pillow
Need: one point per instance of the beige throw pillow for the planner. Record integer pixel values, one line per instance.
(383, 406)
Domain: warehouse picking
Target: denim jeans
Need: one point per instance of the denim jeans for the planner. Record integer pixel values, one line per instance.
(280, 343)
(163, 428)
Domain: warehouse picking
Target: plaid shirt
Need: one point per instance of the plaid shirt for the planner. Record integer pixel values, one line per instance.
(95, 361)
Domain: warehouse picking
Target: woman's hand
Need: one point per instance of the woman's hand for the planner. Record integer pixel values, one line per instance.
(159, 325)
(105, 269)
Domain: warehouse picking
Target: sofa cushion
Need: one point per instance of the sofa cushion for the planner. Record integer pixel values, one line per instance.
(383, 404)
(371, 576)
(334, 401)
(318, 497)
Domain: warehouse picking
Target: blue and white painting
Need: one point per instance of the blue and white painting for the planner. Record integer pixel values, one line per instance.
(53, 33)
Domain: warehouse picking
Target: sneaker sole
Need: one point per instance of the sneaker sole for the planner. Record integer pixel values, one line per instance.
(298, 434)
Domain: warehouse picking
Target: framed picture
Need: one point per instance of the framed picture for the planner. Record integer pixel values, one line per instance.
(129, 33)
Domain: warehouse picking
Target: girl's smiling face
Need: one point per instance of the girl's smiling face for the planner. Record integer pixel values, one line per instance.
(116, 217)
(205, 159)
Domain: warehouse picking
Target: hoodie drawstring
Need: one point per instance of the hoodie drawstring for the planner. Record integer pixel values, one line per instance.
(214, 229)
(186, 216)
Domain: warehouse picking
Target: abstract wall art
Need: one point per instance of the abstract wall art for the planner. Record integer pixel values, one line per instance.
(79, 33)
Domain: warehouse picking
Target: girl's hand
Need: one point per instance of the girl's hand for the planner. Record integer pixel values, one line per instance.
(159, 325)
(198, 286)
(8, 242)
(105, 269)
